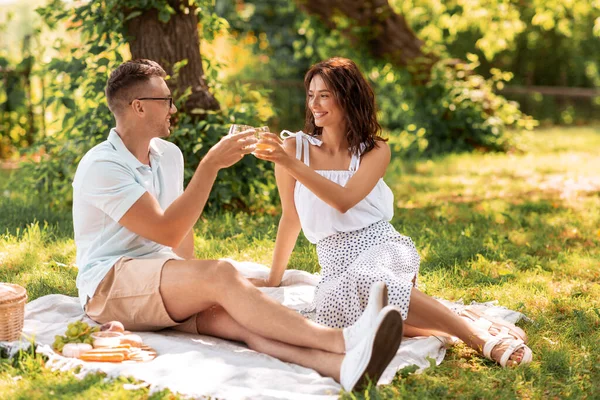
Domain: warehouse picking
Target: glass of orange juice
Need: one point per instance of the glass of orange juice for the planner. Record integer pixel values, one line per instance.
(238, 128)
(259, 131)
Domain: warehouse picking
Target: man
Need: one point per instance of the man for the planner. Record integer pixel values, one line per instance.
(133, 230)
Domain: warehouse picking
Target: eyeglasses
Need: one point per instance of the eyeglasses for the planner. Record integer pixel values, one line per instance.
(155, 98)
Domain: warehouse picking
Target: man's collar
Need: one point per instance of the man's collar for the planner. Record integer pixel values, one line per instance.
(117, 142)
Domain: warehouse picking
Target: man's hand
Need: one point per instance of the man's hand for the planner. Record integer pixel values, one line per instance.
(230, 149)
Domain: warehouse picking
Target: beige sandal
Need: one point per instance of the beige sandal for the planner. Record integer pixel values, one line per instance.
(513, 346)
(494, 326)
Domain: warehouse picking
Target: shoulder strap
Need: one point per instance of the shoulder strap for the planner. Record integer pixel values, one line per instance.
(355, 161)
(302, 141)
(299, 142)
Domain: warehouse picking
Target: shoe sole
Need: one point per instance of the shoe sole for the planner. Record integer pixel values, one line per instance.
(386, 343)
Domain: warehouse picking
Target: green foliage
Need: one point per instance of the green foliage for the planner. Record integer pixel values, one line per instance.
(521, 37)
(17, 123)
(78, 91)
(271, 27)
(249, 184)
(275, 24)
(541, 42)
(457, 110)
(19, 99)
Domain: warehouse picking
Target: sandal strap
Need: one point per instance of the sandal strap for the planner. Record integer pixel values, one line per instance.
(513, 345)
(489, 346)
(502, 331)
(505, 332)
(483, 324)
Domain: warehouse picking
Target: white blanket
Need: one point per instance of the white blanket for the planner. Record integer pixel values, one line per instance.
(201, 366)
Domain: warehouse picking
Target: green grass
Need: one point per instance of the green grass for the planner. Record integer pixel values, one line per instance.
(520, 228)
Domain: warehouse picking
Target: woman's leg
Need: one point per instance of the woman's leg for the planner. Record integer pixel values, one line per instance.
(217, 322)
(427, 313)
(413, 331)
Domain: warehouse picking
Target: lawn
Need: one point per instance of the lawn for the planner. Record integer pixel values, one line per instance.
(522, 228)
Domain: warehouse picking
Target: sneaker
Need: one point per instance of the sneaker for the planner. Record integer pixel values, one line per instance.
(367, 360)
(378, 298)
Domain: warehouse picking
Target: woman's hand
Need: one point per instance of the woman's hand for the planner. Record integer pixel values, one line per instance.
(261, 282)
(258, 282)
(264, 282)
(270, 148)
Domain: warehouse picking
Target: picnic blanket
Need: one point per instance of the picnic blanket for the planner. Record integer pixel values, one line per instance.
(203, 366)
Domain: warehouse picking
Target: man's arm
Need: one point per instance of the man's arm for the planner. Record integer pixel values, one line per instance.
(186, 248)
(170, 227)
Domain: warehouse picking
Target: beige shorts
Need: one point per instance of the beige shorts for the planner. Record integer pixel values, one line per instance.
(130, 293)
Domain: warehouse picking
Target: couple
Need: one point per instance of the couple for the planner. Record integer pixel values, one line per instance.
(134, 221)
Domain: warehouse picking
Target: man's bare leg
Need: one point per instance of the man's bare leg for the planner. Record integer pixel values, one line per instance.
(215, 321)
(192, 286)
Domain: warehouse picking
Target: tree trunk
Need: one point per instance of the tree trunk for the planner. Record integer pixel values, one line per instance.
(388, 35)
(169, 43)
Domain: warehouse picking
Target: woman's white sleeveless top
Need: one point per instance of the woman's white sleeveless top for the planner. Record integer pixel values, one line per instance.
(317, 218)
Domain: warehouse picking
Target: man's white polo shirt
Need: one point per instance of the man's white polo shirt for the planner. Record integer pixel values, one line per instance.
(108, 181)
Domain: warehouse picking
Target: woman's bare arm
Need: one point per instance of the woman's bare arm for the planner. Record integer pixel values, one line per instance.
(342, 198)
(289, 224)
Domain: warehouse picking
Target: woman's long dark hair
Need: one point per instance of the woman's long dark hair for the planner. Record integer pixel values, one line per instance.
(354, 95)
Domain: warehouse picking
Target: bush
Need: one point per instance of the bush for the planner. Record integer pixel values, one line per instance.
(16, 109)
(78, 91)
(457, 110)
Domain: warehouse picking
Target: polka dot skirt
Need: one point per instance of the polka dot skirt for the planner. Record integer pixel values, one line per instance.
(352, 261)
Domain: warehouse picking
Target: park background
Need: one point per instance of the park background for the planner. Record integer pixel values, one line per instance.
(491, 108)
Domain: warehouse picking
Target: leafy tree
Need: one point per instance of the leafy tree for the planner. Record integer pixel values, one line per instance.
(166, 31)
(542, 42)
(523, 37)
(373, 23)
(168, 34)
(427, 106)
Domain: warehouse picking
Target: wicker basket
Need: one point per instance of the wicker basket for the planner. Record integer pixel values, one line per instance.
(12, 310)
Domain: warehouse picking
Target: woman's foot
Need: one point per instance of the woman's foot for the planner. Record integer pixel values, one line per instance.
(506, 351)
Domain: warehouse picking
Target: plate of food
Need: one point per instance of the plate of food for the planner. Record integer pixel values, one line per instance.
(107, 343)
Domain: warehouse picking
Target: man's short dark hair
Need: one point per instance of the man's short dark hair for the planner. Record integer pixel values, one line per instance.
(120, 88)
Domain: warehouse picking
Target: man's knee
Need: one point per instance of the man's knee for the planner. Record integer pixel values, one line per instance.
(223, 273)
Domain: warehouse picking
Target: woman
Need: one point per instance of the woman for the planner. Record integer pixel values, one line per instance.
(330, 184)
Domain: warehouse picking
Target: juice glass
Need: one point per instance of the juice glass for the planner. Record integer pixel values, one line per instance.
(259, 131)
(238, 128)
